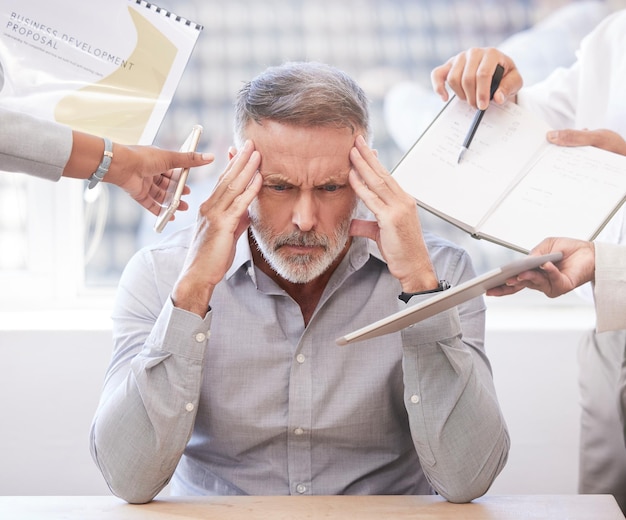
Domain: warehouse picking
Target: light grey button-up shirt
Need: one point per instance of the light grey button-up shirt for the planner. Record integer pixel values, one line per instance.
(250, 401)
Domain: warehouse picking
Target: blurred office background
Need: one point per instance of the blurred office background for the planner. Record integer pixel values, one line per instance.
(55, 350)
(388, 46)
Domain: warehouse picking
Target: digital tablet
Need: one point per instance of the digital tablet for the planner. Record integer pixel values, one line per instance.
(446, 299)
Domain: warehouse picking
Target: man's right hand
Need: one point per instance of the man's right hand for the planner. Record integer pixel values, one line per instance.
(222, 218)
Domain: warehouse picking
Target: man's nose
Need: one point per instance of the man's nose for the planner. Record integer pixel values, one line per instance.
(305, 212)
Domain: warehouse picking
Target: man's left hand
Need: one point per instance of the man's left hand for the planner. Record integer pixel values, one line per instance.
(397, 229)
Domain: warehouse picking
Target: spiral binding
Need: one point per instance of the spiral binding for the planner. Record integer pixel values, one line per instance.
(168, 14)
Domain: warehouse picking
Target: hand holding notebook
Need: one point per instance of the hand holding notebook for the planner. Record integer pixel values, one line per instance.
(513, 187)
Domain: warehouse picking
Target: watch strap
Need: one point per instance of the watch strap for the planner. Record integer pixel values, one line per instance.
(443, 285)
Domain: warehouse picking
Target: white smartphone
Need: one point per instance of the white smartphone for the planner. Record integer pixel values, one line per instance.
(177, 182)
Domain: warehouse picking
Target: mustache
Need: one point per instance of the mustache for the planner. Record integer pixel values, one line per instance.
(309, 239)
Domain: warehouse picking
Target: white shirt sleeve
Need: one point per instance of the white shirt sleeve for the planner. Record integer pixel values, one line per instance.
(610, 286)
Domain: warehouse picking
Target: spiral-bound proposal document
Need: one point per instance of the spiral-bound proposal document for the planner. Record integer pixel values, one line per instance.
(512, 187)
(106, 67)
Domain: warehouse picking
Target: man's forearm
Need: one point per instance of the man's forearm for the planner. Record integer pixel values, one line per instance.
(456, 422)
(147, 413)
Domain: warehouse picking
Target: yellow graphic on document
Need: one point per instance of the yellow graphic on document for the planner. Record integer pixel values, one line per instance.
(119, 106)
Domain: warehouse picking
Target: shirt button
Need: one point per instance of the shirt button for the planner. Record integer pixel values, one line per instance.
(415, 398)
(298, 431)
(189, 407)
(200, 337)
(301, 488)
(300, 358)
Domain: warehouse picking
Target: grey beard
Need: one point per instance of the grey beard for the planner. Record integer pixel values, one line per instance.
(300, 268)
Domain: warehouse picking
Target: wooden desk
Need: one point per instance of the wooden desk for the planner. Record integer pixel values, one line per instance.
(513, 507)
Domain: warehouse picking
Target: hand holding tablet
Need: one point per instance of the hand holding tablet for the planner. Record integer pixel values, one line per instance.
(447, 299)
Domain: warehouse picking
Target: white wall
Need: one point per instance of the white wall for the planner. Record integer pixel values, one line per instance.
(535, 371)
(50, 382)
(49, 389)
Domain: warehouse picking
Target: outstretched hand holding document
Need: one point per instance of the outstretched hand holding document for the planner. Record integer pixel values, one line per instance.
(513, 187)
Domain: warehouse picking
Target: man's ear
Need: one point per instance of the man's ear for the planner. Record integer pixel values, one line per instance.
(232, 151)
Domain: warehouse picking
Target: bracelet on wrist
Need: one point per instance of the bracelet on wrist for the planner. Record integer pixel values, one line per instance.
(102, 170)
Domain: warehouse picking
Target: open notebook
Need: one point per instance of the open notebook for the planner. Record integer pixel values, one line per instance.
(512, 187)
(447, 299)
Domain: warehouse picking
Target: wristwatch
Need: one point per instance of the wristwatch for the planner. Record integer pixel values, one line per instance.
(443, 285)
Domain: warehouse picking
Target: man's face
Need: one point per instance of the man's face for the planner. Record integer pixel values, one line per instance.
(301, 217)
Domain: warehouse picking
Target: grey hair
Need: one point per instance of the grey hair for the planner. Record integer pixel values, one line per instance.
(304, 94)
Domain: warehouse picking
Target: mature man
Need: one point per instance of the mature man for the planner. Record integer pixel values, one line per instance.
(226, 377)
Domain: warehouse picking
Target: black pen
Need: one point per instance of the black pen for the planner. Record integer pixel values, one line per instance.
(495, 83)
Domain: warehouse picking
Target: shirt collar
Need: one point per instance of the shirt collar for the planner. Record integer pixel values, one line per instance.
(243, 256)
